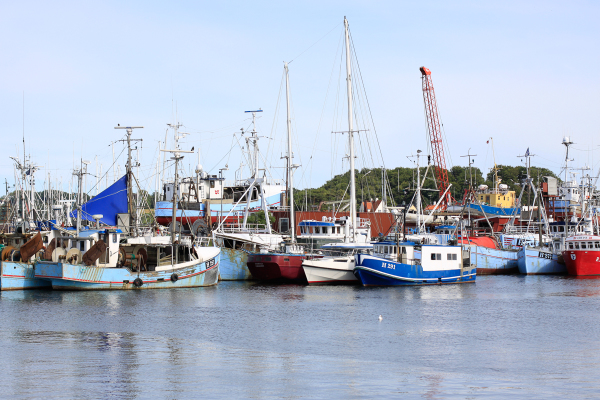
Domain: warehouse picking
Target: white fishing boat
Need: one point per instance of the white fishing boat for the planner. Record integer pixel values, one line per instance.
(337, 263)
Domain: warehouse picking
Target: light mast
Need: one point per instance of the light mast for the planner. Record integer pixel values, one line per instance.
(350, 134)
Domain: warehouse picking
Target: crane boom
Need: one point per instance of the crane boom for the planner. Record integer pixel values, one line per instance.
(435, 136)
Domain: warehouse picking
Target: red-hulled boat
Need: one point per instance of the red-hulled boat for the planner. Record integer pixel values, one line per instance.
(273, 267)
(582, 255)
(284, 266)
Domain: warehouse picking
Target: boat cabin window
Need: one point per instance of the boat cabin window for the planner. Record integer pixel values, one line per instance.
(451, 257)
(571, 246)
(597, 245)
(583, 245)
(436, 256)
(338, 229)
(403, 250)
(576, 245)
(81, 245)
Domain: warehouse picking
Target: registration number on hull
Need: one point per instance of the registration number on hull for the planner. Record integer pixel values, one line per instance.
(388, 265)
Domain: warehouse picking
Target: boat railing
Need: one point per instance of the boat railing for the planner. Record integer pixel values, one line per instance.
(202, 241)
(240, 228)
(493, 191)
(522, 229)
(244, 182)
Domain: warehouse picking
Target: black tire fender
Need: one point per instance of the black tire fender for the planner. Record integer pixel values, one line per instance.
(137, 282)
(174, 277)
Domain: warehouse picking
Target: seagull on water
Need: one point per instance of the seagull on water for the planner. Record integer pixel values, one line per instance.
(380, 318)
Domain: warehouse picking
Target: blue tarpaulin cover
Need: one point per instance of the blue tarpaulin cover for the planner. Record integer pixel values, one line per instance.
(109, 203)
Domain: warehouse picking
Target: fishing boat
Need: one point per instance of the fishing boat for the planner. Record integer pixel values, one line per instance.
(406, 263)
(23, 238)
(99, 259)
(284, 264)
(547, 257)
(17, 261)
(335, 264)
(541, 260)
(96, 260)
(582, 255)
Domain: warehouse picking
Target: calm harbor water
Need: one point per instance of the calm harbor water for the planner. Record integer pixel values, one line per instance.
(529, 337)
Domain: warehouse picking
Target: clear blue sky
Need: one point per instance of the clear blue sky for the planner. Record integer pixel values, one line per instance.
(525, 73)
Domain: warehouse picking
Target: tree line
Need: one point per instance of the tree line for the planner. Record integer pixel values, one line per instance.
(402, 182)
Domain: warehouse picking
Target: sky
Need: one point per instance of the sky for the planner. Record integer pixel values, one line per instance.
(522, 72)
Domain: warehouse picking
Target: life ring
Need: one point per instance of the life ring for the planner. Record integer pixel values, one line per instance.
(174, 277)
(137, 282)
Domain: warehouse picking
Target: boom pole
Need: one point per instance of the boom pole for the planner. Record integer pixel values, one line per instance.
(435, 135)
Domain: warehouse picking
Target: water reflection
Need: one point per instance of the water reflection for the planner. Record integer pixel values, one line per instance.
(502, 336)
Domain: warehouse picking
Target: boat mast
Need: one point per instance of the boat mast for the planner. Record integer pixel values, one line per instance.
(131, 204)
(495, 168)
(567, 142)
(418, 196)
(350, 134)
(289, 156)
(176, 156)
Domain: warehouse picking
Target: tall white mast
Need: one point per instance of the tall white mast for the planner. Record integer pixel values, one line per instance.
(350, 135)
(289, 156)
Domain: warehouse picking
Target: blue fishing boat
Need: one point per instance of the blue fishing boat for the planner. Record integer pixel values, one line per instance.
(541, 261)
(96, 260)
(494, 261)
(100, 259)
(395, 264)
(17, 261)
(16, 275)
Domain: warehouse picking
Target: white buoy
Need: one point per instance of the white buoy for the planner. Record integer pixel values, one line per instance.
(380, 318)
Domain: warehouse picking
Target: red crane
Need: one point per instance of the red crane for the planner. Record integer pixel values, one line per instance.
(435, 136)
